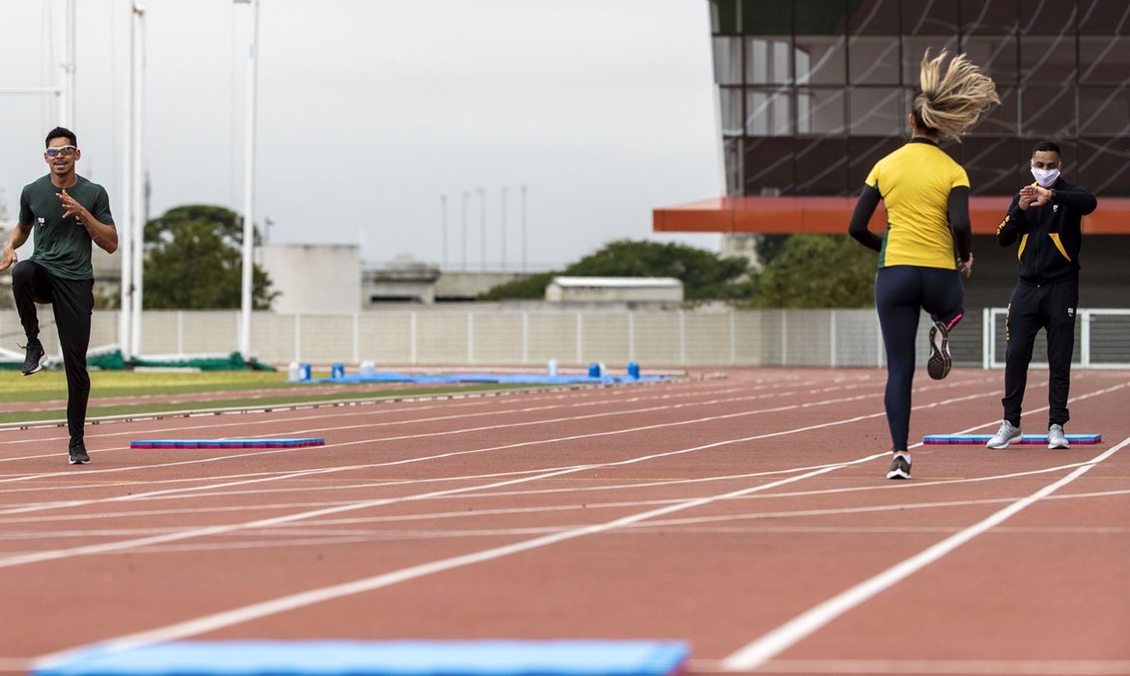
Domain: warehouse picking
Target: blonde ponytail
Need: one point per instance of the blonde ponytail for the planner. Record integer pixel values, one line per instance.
(952, 100)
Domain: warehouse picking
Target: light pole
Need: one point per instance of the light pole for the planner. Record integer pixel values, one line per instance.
(524, 259)
(466, 196)
(249, 183)
(137, 192)
(482, 228)
(502, 246)
(126, 217)
(67, 90)
(443, 230)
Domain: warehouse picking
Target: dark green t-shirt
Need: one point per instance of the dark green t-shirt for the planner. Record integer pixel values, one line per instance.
(63, 245)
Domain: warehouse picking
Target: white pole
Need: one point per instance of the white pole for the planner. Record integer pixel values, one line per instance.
(482, 228)
(138, 176)
(443, 229)
(524, 259)
(249, 186)
(502, 235)
(67, 87)
(463, 263)
(125, 220)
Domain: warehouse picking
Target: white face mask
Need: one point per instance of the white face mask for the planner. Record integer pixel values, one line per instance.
(1045, 177)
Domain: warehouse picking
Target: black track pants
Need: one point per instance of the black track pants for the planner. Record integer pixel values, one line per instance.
(1051, 307)
(902, 292)
(73, 302)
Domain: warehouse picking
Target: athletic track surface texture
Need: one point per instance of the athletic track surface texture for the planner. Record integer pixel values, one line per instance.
(742, 511)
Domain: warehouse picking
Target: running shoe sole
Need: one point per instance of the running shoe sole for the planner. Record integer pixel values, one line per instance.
(940, 361)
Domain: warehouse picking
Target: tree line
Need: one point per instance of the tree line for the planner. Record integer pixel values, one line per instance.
(193, 261)
(793, 271)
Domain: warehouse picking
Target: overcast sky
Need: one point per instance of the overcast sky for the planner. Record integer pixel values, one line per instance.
(370, 111)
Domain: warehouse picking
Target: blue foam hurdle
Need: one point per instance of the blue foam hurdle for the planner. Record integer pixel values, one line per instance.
(512, 378)
(229, 443)
(1026, 439)
(381, 658)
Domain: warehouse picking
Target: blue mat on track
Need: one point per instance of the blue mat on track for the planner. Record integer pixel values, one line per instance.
(382, 658)
(510, 378)
(1026, 439)
(297, 442)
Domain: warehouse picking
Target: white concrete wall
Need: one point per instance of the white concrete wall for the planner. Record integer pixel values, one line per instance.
(431, 336)
(314, 278)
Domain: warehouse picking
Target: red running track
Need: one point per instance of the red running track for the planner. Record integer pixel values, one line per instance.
(743, 511)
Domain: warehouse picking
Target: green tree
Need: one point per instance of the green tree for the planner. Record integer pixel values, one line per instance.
(769, 247)
(193, 261)
(705, 276)
(817, 271)
(528, 287)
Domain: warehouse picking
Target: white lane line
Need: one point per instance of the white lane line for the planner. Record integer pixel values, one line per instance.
(446, 405)
(330, 531)
(536, 442)
(52, 555)
(756, 653)
(56, 554)
(214, 622)
(465, 430)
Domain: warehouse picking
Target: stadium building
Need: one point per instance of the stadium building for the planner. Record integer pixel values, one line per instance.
(810, 93)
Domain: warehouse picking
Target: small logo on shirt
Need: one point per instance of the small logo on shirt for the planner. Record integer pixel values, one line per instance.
(1070, 312)
(41, 220)
(1055, 208)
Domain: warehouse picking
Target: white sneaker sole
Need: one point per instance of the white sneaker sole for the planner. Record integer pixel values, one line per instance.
(1005, 444)
(940, 362)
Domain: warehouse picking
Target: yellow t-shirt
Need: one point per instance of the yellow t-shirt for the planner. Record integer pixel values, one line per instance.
(915, 182)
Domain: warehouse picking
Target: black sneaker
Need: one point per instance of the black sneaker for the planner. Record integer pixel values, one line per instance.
(940, 361)
(34, 359)
(900, 466)
(78, 454)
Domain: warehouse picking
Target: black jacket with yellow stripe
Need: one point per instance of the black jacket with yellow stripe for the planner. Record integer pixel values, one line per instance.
(1049, 235)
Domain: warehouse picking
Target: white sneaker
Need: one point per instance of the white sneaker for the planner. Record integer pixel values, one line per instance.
(1007, 434)
(1056, 437)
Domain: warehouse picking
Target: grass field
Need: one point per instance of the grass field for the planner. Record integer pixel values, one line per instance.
(227, 389)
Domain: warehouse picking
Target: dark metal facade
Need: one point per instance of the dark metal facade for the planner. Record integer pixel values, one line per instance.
(813, 92)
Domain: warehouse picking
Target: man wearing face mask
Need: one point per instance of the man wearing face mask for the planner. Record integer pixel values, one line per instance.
(1044, 218)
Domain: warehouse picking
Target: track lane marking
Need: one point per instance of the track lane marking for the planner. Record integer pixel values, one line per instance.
(51, 555)
(290, 602)
(755, 654)
(450, 454)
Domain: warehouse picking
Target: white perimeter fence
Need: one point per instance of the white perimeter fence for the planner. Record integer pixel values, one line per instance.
(507, 337)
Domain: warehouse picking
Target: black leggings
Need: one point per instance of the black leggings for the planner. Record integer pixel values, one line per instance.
(73, 302)
(901, 293)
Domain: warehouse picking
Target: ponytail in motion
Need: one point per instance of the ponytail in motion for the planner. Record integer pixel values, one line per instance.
(953, 97)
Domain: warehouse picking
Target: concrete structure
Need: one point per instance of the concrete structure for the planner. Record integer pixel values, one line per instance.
(313, 278)
(403, 280)
(465, 286)
(614, 290)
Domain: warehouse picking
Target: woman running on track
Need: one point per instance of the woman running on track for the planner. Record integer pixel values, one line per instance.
(926, 194)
